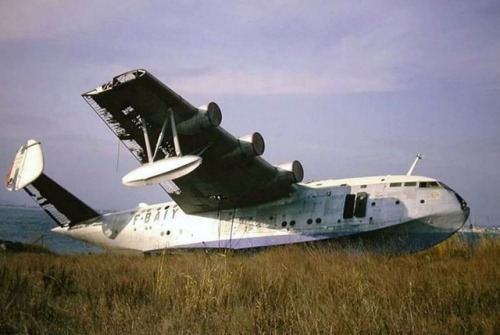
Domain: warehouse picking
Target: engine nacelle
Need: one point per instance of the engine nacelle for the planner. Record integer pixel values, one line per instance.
(208, 116)
(248, 146)
(292, 171)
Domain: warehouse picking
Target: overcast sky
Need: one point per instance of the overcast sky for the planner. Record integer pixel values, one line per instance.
(348, 88)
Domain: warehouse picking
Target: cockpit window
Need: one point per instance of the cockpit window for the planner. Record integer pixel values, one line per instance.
(411, 183)
(395, 185)
(429, 184)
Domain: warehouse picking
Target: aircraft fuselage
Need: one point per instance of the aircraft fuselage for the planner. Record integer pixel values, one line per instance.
(400, 213)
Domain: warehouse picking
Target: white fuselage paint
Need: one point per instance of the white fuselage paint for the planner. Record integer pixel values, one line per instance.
(314, 211)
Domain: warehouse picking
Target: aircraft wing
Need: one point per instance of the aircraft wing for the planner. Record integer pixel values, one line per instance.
(137, 107)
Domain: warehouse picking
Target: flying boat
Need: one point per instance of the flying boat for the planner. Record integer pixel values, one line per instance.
(224, 194)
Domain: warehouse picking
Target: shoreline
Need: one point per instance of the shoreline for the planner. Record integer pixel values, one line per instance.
(19, 247)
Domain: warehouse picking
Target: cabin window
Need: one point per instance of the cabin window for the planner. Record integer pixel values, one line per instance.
(361, 201)
(395, 185)
(283, 224)
(410, 183)
(363, 186)
(349, 206)
(292, 223)
(309, 221)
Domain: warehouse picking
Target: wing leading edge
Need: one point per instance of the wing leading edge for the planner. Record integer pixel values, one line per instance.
(136, 107)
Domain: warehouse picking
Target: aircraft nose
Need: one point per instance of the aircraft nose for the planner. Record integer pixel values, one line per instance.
(463, 206)
(463, 203)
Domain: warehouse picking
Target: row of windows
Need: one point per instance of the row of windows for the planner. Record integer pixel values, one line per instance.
(422, 201)
(355, 206)
(422, 184)
(292, 223)
(407, 184)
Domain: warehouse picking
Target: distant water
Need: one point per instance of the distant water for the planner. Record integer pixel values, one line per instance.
(34, 226)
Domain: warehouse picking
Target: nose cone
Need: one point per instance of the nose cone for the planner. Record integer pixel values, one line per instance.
(462, 202)
(449, 216)
(465, 211)
(461, 214)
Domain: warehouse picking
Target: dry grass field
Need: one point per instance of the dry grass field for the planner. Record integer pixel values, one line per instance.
(450, 289)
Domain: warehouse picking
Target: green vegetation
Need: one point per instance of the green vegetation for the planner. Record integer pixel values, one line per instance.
(8, 246)
(452, 288)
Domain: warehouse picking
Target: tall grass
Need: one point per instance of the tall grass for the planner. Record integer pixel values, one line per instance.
(451, 289)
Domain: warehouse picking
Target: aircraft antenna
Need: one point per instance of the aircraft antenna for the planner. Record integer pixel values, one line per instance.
(412, 167)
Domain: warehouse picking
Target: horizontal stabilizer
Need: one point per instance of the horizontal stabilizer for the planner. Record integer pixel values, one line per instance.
(62, 206)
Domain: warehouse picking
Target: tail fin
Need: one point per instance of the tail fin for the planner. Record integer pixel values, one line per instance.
(27, 173)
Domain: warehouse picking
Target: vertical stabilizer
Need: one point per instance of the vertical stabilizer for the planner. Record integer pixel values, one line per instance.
(27, 166)
(27, 173)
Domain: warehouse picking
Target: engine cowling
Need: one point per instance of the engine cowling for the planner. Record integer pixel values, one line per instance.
(248, 146)
(208, 116)
(292, 171)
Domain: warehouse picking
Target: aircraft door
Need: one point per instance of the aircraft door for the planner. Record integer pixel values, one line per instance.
(355, 205)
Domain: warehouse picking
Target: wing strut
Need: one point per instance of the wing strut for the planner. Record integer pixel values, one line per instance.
(174, 134)
(166, 169)
(146, 140)
(160, 137)
(151, 156)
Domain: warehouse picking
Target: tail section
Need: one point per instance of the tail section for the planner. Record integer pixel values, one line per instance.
(27, 173)
(27, 166)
